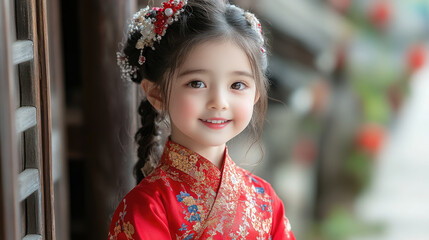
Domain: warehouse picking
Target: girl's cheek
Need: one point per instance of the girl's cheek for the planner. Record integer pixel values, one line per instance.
(188, 106)
(183, 106)
(244, 112)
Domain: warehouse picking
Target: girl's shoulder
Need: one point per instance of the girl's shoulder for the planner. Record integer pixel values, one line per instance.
(260, 184)
(149, 192)
(151, 187)
(141, 208)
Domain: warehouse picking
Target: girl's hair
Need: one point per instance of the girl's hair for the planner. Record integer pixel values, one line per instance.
(201, 21)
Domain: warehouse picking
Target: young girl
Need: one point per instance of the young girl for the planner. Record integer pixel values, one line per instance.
(201, 64)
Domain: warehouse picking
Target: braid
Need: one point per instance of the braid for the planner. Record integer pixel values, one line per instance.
(148, 137)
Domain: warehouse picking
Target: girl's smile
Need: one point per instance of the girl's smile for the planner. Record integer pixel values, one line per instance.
(216, 123)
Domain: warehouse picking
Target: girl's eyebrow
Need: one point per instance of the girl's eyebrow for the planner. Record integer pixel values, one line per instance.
(202, 71)
(192, 71)
(242, 73)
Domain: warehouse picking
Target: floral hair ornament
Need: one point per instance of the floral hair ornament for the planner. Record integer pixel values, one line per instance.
(152, 23)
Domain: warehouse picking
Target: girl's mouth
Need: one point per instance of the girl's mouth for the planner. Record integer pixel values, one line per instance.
(216, 123)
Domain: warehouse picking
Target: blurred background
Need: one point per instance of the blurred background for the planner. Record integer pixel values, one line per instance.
(346, 139)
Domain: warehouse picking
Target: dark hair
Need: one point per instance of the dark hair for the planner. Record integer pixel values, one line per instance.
(202, 21)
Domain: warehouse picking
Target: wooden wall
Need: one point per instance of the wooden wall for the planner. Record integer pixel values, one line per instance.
(109, 108)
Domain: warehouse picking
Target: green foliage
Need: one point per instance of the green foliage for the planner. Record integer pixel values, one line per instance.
(341, 224)
(359, 167)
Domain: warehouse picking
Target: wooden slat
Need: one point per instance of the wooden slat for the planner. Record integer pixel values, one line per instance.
(33, 206)
(43, 92)
(22, 51)
(32, 237)
(25, 118)
(28, 182)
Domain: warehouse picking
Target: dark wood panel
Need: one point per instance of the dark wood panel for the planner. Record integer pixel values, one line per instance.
(24, 19)
(109, 107)
(61, 187)
(33, 212)
(23, 219)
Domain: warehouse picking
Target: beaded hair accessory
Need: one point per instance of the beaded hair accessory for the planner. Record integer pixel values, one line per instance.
(152, 23)
(256, 26)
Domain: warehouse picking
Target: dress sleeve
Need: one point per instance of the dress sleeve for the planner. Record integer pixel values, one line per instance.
(281, 227)
(139, 216)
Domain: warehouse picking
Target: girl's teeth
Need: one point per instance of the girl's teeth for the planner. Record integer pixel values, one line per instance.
(216, 121)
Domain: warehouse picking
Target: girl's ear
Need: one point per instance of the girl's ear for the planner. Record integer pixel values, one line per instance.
(153, 94)
(257, 95)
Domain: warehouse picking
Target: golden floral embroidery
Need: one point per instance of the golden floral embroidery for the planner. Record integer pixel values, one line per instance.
(225, 204)
(199, 175)
(123, 227)
(188, 201)
(181, 162)
(128, 230)
(117, 230)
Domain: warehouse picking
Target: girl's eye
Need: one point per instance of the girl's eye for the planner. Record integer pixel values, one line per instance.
(238, 86)
(196, 84)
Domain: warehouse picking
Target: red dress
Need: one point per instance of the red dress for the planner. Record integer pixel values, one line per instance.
(187, 197)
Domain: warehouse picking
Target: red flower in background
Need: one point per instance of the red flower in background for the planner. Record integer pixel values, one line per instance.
(380, 13)
(341, 5)
(416, 57)
(370, 138)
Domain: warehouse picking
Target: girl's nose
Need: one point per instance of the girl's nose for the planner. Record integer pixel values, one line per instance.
(218, 100)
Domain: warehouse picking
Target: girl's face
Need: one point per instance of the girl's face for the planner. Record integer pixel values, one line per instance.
(213, 96)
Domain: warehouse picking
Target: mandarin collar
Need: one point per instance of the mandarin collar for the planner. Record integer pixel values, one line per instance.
(190, 162)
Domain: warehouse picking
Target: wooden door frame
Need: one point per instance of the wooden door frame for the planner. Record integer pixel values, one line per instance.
(8, 148)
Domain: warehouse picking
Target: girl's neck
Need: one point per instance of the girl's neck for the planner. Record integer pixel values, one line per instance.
(216, 155)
